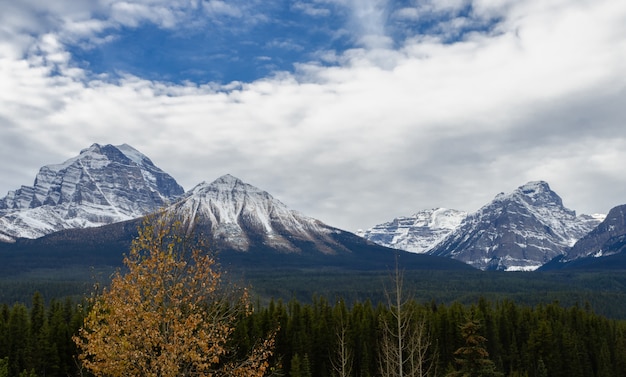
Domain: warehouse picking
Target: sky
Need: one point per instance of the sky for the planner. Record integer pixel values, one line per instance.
(350, 111)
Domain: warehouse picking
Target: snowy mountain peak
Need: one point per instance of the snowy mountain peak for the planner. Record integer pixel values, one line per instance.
(232, 190)
(102, 185)
(416, 233)
(521, 230)
(240, 215)
(228, 179)
(535, 193)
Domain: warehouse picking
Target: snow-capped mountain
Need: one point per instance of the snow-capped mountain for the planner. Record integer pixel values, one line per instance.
(521, 230)
(239, 215)
(104, 184)
(606, 239)
(417, 233)
(244, 226)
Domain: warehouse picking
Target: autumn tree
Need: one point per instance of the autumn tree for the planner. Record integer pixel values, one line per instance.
(168, 314)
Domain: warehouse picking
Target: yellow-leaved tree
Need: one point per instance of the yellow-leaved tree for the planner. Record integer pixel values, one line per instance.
(168, 313)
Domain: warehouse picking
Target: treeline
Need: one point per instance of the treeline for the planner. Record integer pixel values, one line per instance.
(545, 340)
(37, 340)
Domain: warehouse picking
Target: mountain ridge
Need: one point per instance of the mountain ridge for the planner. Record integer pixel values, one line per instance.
(417, 233)
(521, 230)
(102, 185)
(108, 184)
(235, 212)
(215, 211)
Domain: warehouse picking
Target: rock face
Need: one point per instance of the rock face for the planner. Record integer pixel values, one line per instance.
(417, 233)
(606, 239)
(239, 216)
(518, 231)
(102, 185)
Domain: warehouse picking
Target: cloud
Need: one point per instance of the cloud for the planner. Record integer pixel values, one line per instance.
(311, 9)
(365, 135)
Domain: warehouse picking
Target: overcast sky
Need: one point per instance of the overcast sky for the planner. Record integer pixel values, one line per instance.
(350, 111)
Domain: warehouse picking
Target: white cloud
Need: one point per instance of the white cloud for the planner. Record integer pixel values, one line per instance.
(218, 8)
(381, 133)
(370, 18)
(311, 9)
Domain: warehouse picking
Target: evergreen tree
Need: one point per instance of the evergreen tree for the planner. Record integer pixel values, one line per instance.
(39, 346)
(300, 366)
(473, 358)
(4, 329)
(19, 335)
(4, 367)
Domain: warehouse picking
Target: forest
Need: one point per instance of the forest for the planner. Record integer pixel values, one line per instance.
(171, 312)
(518, 340)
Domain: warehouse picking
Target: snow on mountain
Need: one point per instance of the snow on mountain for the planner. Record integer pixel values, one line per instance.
(521, 230)
(102, 185)
(240, 215)
(416, 233)
(606, 239)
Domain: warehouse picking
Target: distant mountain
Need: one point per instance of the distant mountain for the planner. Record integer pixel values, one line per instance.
(602, 248)
(246, 226)
(518, 231)
(417, 233)
(104, 184)
(240, 216)
(252, 229)
(608, 238)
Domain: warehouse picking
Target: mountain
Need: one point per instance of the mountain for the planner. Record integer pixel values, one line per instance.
(416, 233)
(606, 239)
(240, 216)
(602, 248)
(250, 229)
(521, 230)
(104, 184)
(245, 226)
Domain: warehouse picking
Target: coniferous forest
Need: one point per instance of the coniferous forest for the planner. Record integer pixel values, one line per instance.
(170, 314)
(323, 338)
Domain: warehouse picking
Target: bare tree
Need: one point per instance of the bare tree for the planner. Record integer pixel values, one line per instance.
(342, 362)
(405, 343)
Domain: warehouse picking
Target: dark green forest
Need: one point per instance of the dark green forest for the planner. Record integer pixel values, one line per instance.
(519, 340)
(604, 291)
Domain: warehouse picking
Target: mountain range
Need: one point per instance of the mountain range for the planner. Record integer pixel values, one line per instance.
(90, 206)
(519, 231)
(244, 225)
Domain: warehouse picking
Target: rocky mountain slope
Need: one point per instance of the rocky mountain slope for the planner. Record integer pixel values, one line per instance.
(246, 227)
(606, 239)
(104, 184)
(417, 233)
(239, 216)
(107, 185)
(521, 230)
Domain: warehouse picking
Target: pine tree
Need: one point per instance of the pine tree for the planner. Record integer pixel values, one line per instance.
(473, 359)
(18, 333)
(39, 346)
(4, 367)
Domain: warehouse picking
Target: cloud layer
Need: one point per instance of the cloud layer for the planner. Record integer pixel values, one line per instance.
(434, 103)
